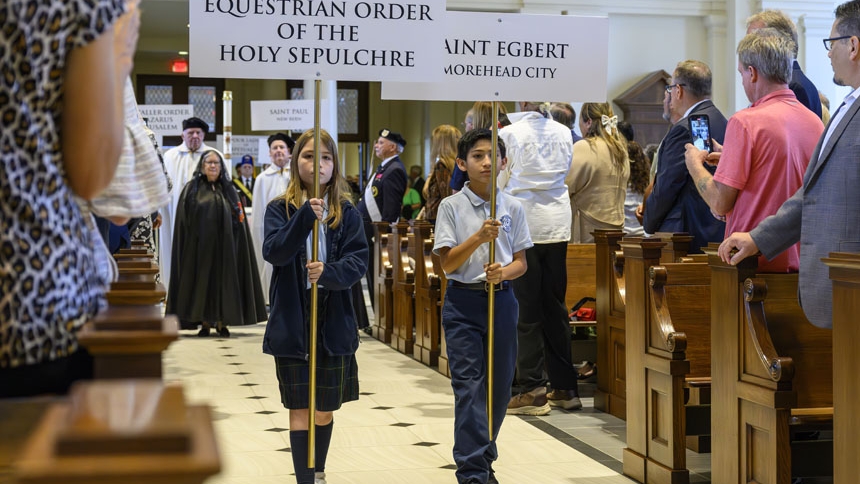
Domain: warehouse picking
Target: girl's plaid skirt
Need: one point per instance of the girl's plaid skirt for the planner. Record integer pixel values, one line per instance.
(337, 381)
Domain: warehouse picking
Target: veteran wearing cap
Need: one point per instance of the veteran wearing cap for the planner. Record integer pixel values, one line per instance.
(383, 198)
(245, 182)
(180, 163)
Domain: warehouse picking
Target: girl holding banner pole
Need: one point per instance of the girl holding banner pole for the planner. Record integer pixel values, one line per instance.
(342, 261)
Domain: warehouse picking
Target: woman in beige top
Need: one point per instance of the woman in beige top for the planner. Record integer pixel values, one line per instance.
(597, 180)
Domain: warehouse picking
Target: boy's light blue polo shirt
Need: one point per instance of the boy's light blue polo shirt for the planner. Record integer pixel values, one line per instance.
(462, 214)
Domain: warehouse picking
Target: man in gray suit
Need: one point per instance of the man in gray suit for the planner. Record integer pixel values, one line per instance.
(824, 214)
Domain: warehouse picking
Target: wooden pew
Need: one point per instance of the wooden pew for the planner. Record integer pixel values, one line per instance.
(581, 274)
(383, 308)
(610, 395)
(677, 246)
(845, 273)
(668, 342)
(403, 293)
(438, 280)
(427, 296)
(771, 377)
(130, 431)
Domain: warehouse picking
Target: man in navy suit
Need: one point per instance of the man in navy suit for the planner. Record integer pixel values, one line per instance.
(383, 197)
(823, 214)
(674, 205)
(803, 88)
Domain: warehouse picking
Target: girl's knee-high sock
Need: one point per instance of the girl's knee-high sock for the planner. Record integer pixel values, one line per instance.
(323, 439)
(299, 451)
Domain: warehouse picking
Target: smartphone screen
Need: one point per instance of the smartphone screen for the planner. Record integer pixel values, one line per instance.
(700, 129)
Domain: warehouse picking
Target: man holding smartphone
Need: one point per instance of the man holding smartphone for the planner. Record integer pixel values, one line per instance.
(767, 146)
(674, 205)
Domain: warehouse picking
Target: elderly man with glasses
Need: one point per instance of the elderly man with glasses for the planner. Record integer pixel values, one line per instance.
(674, 205)
(767, 145)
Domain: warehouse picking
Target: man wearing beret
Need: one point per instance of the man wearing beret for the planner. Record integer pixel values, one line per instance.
(383, 197)
(272, 182)
(245, 182)
(180, 163)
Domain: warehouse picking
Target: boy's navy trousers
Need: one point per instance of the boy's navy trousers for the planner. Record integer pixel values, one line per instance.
(464, 319)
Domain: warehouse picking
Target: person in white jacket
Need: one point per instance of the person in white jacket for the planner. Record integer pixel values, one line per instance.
(179, 163)
(269, 184)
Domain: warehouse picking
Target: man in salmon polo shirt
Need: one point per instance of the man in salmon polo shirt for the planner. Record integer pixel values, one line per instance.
(767, 145)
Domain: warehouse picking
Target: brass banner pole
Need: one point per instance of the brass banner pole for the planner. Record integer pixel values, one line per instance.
(315, 240)
(491, 292)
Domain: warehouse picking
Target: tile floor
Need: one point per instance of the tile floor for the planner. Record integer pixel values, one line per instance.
(399, 431)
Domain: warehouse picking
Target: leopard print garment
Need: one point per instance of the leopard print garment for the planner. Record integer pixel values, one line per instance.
(48, 286)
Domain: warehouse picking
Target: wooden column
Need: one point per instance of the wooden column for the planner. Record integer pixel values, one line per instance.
(639, 255)
(726, 309)
(403, 289)
(382, 270)
(610, 394)
(845, 273)
(677, 245)
(427, 318)
(128, 431)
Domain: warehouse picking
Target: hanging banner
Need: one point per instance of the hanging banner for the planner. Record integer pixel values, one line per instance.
(343, 40)
(295, 115)
(516, 57)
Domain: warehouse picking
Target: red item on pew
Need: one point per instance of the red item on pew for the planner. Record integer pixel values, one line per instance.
(579, 313)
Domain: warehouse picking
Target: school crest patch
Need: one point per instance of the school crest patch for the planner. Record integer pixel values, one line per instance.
(506, 223)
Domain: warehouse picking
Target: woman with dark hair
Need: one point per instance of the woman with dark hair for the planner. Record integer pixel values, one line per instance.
(640, 168)
(597, 180)
(214, 279)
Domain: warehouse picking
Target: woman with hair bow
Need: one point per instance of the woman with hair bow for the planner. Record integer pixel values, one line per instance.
(597, 180)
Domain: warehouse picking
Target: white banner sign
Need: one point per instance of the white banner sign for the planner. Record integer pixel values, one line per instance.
(166, 119)
(516, 57)
(245, 145)
(282, 115)
(352, 40)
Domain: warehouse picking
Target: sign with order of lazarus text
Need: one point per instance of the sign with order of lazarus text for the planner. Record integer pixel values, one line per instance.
(295, 115)
(166, 119)
(516, 57)
(383, 40)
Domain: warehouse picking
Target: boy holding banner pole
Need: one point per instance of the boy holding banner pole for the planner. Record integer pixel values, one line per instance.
(467, 226)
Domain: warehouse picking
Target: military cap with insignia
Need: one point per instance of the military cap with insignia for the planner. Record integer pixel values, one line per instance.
(393, 137)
